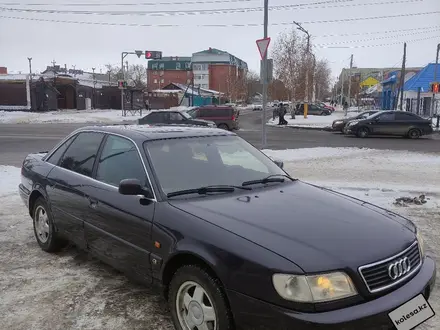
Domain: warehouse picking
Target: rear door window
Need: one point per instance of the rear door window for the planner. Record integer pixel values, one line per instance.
(157, 117)
(406, 117)
(56, 156)
(81, 154)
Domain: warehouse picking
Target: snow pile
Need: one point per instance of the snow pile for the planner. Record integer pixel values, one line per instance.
(67, 116)
(364, 169)
(9, 180)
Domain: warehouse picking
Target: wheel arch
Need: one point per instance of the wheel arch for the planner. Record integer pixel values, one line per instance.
(35, 194)
(184, 257)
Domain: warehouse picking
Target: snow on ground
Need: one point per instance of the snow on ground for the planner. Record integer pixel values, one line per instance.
(67, 116)
(71, 290)
(310, 121)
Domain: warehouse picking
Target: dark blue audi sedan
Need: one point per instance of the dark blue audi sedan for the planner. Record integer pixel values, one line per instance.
(234, 240)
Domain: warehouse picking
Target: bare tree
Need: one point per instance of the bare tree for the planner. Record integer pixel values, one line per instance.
(253, 85)
(136, 75)
(291, 64)
(288, 58)
(322, 80)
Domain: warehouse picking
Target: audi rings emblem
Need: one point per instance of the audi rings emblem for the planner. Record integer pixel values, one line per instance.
(399, 268)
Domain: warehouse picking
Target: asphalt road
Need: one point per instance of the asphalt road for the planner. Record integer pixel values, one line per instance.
(18, 140)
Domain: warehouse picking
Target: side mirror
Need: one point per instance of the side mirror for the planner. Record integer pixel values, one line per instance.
(279, 163)
(133, 187)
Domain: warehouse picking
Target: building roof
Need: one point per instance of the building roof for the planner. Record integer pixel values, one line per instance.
(422, 79)
(141, 133)
(232, 59)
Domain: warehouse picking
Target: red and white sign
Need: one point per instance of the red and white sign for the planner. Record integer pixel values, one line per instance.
(263, 45)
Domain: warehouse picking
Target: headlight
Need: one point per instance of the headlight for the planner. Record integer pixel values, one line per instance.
(421, 243)
(338, 122)
(314, 288)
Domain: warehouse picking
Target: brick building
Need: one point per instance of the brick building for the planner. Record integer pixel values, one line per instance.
(168, 70)
(218, 70)
(212, 69)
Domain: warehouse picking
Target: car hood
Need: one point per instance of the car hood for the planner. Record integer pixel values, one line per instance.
(203, 121)
(315, 228)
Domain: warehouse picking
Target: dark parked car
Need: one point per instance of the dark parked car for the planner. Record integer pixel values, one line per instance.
(225, 117)
(313, 109)
(231, 237)
(339, 124)
(397, 123)
(173, 117)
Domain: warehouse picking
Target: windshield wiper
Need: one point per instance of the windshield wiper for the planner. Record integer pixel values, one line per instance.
(207, 189)
(270, 178)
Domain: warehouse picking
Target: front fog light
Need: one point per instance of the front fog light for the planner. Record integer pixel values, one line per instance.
(314, 288)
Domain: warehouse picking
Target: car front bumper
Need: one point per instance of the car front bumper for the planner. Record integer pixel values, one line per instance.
(349, 130)
(251, 313)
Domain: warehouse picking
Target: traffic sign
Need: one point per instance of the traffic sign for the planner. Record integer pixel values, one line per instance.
(263, 45)
(139, 53)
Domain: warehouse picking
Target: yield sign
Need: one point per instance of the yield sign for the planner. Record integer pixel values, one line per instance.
(262, 45)
(139, 53)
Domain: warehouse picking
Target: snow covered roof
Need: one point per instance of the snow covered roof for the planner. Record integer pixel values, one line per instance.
(16, 77)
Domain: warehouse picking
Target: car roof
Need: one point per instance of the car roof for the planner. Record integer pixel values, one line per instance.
(141, 133)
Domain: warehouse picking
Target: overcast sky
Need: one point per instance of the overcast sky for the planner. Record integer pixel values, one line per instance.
(86, 46)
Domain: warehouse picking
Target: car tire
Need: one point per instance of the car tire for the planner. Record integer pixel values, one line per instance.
(195, 297)
(362, 132)
(44, 229)
(414, 133)
(223, 126)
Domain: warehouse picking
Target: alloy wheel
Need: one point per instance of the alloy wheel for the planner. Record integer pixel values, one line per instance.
(195, 309)
(42, 226)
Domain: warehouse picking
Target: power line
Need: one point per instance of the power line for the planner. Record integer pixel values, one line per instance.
(385, 44)
(378, 38)
(376, 32)
(216, 25)
(193, 2)
(315, 5)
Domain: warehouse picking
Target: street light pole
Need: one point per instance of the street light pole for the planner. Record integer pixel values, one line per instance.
(264, 138)
(306, 97)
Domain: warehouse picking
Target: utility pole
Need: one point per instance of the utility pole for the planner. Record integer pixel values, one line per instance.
(30, 68)
(123, 54)
(53, 63)
(306, 97)
(265, 82)
(94, 87)
(313, 78)
(342, 86)
(435, 80)
(402, 76)
(349, 83)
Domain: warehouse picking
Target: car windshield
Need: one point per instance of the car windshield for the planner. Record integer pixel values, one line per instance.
(191, 113)
(186, 115)
(195, 162)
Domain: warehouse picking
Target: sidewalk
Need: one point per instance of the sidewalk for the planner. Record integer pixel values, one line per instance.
(68, 116)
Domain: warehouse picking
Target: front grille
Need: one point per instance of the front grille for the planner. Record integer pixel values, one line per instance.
(376, 275)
